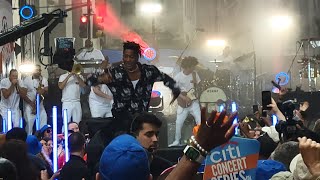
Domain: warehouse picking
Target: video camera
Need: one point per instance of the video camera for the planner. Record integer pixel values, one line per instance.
(288, 128)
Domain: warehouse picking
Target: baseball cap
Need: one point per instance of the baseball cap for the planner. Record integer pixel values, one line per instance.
(267, 168)
(124, 158)
(45, 127)
(34, 146)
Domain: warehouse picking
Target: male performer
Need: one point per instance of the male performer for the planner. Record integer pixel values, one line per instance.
(100, 101)
(186, 80)
(35, 84)
(70, 84)
(131, 85)
(10, 97)
(89, 52)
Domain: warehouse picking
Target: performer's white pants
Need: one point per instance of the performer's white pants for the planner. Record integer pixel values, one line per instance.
(30, 118)
(16, 115)
(73, 110)
(182, 114)
(98, 110)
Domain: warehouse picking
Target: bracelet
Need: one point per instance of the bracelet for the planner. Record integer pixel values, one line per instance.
(201, 149)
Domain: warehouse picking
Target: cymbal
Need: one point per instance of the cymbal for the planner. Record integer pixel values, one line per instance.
(244, 57)
(200, 66)
(216, 61)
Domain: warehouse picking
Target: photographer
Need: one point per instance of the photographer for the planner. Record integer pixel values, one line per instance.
(291, 124)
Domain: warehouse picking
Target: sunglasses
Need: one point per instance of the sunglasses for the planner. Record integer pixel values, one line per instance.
(49, 130)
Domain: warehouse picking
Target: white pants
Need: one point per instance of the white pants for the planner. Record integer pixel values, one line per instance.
(16, 115)
(73, 110)
(30, 118)
(182, 114)
(98, 110)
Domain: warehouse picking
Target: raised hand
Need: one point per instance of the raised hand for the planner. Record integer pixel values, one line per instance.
(213, 131)
(310, 152)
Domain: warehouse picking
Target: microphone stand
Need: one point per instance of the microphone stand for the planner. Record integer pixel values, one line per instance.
(184, 50)
(294, 58)
(254, 74)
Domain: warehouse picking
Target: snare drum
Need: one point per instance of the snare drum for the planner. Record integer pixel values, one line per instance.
(212, 97)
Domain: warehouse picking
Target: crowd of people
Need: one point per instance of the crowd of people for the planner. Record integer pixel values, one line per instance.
(125, 147)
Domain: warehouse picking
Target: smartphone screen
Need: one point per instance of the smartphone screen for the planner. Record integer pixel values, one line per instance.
(266, 100)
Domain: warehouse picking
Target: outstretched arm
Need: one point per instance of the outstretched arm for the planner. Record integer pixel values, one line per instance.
(212, 133)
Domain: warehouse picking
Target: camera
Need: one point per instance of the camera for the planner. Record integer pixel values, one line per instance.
(289, 128)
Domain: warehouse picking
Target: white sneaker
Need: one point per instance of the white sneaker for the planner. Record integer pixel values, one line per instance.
(175, 143)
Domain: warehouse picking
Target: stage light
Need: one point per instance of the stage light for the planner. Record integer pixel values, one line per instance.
(9, 116)
(55, 139)
(27, 68)
(65, 126)
(216, 42)
(27, 12)
(281, 22)
(151, 8)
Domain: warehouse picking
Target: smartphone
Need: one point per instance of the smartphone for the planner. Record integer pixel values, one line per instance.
(266, 100)
(255, 109)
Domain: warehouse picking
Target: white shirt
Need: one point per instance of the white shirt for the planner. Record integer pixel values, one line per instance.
(32, 85)
(94, 98)
(71, 92)
(185, 81)
(87, 55)
(12, 102)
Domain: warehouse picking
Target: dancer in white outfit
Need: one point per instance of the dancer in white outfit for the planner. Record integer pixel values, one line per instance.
(100, 101)
(11, 89)
(70, 84)
(35, 84)
(186, 79)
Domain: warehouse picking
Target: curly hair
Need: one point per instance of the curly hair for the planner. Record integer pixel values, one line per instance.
(132, 46)
(189, 62)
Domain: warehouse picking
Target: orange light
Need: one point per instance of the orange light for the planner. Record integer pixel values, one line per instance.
(99, 19)
(84, 19)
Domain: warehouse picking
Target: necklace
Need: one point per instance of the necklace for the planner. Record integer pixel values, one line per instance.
(134, 69)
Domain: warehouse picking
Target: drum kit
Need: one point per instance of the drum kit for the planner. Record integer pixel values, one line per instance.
(224, 86)
(309, 69)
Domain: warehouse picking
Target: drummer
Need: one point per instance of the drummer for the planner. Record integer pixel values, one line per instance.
(225, 60)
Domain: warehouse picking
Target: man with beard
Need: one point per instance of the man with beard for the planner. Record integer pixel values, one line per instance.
(131, 85)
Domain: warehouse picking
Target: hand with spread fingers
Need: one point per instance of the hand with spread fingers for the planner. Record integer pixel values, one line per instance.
(213, 131)
(310, 152)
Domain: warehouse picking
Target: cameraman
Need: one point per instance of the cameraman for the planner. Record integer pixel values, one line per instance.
(291, 125)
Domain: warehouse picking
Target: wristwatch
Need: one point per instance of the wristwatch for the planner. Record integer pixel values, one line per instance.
(193, 154)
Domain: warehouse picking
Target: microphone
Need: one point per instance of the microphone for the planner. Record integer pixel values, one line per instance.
(200, 29)
(276, 85)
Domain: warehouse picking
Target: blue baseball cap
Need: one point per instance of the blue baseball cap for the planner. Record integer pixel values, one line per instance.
(267, 168)
(124, 158)
(45, 127)
(34, 146)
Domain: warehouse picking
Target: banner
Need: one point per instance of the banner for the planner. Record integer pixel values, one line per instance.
(6, 51)
(235, 160)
